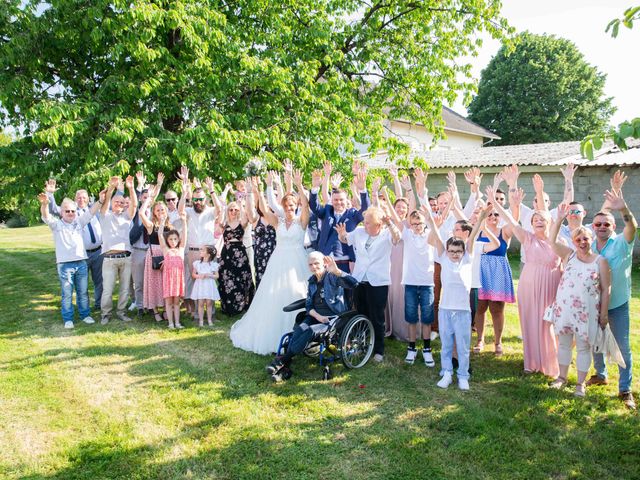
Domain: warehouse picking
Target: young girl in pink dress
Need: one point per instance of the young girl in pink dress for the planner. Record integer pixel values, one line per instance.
(205, 291)
(173, 270)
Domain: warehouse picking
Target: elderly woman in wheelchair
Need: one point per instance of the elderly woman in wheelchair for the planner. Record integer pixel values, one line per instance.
(326, 325)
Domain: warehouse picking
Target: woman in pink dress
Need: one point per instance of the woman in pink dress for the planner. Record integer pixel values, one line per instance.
(537, 288)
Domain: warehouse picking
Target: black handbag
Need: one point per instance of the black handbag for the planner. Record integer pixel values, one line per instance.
(156, 261)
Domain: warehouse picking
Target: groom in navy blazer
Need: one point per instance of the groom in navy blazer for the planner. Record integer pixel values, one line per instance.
(337, 212)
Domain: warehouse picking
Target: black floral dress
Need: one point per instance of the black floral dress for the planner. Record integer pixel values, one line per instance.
(264, 241)
(235, 283)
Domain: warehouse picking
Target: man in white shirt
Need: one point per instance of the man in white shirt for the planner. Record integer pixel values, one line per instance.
(71, 256)
(91, 236)
(116, 246)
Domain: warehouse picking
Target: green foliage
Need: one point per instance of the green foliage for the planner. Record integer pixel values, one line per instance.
(594, 141)
(110, 86)
(544, 91)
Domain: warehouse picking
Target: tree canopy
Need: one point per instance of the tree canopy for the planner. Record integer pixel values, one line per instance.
(108, 86)
(542, 91)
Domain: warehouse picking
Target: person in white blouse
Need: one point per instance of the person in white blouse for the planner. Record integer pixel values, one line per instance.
(372, 245)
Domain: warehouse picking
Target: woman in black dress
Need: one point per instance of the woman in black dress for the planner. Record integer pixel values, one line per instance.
(235, 281)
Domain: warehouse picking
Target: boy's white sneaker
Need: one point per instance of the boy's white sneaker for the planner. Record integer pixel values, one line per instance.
(428, 358)
(463, 384)
(88, 320)
(445, 381)
(411, 356)
(68, 324)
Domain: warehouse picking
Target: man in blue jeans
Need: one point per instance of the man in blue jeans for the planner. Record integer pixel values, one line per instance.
(618, 252)
(71, 255)
(325, 298)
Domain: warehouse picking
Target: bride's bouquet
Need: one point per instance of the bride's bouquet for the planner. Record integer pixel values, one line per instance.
(254, 168)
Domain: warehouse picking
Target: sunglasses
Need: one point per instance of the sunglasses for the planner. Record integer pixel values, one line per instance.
(198, 199)
(575, 212)
(69, 211)
(494, 214)
(171, 199)
(605, 224)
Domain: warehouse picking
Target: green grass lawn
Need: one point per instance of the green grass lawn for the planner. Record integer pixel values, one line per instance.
(139, 401)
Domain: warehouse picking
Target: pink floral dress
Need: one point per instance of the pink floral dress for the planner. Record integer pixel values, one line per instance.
(577, 305)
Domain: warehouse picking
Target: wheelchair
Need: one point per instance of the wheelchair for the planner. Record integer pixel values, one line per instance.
(348, 338)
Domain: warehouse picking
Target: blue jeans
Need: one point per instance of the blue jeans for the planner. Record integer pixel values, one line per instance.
(455, 325)
(300, 337)
(619, 323)
(418, 296)
(74, 275)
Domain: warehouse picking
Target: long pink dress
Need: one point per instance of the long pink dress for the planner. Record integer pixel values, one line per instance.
(536, 291)
(394, 323)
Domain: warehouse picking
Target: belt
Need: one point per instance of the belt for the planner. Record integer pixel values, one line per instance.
(91, 250)
(342, 262)
(194, 249)
(117, 255)
(141, 249)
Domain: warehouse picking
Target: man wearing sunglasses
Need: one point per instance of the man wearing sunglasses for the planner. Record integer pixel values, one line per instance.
(71, 256)
(574, 220)
(618, 250)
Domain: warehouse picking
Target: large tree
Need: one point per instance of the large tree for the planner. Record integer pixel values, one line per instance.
(102, 86)
(542, 91)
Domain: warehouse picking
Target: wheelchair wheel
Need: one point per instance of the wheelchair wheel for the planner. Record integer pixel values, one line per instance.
(356, 342)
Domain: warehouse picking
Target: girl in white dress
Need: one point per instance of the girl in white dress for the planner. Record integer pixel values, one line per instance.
(284, 280)
(205, 291)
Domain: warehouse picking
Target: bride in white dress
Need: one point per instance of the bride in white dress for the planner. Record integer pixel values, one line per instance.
(283, 282)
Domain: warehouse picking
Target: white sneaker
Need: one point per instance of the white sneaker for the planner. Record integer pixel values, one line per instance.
(463, 384)
(88, 320)
(133, 307)
(445, 381)
(434, 335)
(411, 356)
(428, 358)
(68, 324)
(378, 358)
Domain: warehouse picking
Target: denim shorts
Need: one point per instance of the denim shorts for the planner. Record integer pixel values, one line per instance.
(418, 296)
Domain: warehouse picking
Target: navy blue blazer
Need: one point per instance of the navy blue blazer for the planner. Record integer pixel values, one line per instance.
(328, 242)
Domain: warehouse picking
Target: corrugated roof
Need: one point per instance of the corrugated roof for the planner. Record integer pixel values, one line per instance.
(543, 154)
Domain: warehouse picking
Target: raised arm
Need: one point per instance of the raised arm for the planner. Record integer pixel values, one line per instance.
(271, 179)
(392, 212)
(163, 243)
(434, 232)
(568, 173)
(133, 198)
(395, 232)
(355, 196)
(473, 236)
(516, 198)
(397, 187)
(420, 180)
(616, 202)
(605, 290)
(50, 188)
(617, 181)
(113, 184)
(185, 230)
(405, 183)
(559, 249)
(146, 221)
(44, 207)
(269, 216)
(538, 188)
(304, 202)
(326, 181)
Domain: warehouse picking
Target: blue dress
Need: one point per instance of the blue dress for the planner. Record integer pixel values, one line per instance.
(495, 274)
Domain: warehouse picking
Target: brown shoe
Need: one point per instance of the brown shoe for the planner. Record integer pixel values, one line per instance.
(628, 400)
(596, 380)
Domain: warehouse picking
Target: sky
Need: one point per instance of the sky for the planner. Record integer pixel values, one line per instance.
(583, 22)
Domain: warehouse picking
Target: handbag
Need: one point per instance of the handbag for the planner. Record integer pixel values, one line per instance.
(157, 261)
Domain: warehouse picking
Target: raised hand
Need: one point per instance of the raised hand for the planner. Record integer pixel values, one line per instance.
(375, 185)
(497, 180)
(43, 199)
(336, 180)
(330, 265)
(209, 183)
(141, 179)
(50, 185)
(538, 183)
(197, 183)
(288, 166)
(361, 180)
(617, 181)
(269, 178)
(510, 175)
(102, 196)
(568, 171)
(473, 176)
(183, 174)
(327, 168)
(451, 177)
(405, 183)
(129, 182)
(316, 178)
(160, 178)
(297, 177)
(114, 182)
(615, 200)
(563, 210)
(341, 228)
(393, 171)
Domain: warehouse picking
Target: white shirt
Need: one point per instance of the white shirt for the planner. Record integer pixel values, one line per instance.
(201, 227)
(417, 259)
(68, 237)
(86, 235)
(174, 219)
(373, 264)
(456, 282)
(478, 250)
(115, 231)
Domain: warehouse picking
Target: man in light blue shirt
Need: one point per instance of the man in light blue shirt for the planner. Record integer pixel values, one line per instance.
(618, 251)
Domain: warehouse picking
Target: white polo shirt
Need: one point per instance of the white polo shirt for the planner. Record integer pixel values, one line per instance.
(456, 282)
(68, 237)
(417, 259)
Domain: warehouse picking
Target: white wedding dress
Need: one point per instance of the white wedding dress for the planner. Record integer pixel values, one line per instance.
(284, 281)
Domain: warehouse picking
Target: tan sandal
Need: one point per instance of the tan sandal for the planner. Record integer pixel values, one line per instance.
(498, 350)
(479, 347)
